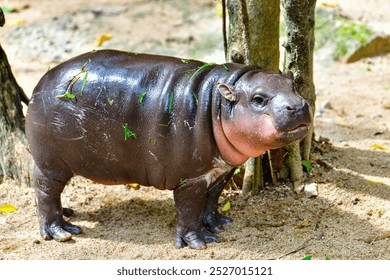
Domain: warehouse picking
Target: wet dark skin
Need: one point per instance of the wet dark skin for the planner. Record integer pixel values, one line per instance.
(183, 125)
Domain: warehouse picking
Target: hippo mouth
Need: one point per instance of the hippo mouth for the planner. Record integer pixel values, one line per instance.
(294, 134)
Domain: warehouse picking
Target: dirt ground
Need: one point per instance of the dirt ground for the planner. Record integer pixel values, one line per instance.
(350, 217)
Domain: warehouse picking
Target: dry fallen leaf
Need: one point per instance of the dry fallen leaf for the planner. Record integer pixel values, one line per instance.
(16, 21)
(329, 4)
(102, 38)
(133, 186)
(226, 207)
(379, 213)
(373, 181)
(218, 8)
(379, 147)
(7, 208)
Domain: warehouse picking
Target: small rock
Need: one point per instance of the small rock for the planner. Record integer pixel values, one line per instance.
(386, 105)
(355, 201)
(378, 44)
(107, 10)
(327, 105)
(311, 190)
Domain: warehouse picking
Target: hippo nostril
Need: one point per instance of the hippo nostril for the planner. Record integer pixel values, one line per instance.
(298, 107)
(289, 108)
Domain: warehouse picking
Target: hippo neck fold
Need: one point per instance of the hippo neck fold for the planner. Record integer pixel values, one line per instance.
(229, 153)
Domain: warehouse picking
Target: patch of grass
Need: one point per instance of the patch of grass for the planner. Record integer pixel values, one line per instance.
(350, 33)
(342, 34)
(324, 28)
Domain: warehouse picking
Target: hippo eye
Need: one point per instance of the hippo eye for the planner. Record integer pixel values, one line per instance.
(260, 100)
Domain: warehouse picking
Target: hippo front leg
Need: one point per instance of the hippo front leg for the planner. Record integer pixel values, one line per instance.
(49, 210)
(189, 200)
(212, 219)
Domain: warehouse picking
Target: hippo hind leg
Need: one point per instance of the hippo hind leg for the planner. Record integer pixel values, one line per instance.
(212, 219)
(48, 188)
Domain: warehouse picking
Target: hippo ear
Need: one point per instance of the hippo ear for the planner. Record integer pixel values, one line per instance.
(227, 92)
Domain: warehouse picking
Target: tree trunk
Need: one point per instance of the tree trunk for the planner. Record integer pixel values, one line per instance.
(15, 159)
(254, 39)
(299, 16)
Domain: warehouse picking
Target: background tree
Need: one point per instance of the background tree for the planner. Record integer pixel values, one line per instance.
(15, 159)
(254, 39)
(300, 21)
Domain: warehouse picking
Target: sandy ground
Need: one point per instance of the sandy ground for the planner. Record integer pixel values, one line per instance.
(349, 219)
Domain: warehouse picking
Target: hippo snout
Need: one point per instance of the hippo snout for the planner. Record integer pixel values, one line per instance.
(291, 115)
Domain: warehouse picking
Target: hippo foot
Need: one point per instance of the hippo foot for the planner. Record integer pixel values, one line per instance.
(59, 232)
(214, 221)
(195, 239)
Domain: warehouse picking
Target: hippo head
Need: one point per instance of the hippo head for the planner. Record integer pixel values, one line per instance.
(261, 111)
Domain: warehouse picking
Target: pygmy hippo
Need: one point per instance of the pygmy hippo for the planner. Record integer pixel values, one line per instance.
(184, 125)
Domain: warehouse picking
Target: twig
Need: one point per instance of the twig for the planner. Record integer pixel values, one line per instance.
(303, 246)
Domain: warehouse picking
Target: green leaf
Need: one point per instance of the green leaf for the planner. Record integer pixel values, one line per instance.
(67, 95)
(128, 133)
(7, 208)
(70, 95)
(307, 165)
(185, 60)
(186, 72)
(141, 98)
(237, 171)
(327, 258)
(182, 181)
(170, 102)
(84, 82)
(110, 101)
(9, 10)
(225, 67)
(196, 98)
(307, 258)
(226, 207)
(201, 68)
